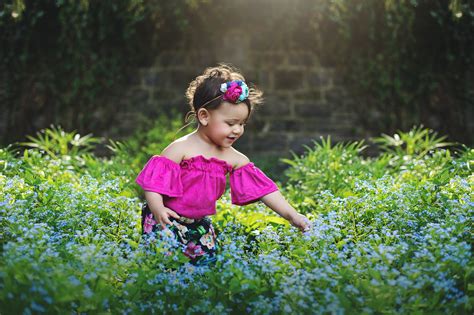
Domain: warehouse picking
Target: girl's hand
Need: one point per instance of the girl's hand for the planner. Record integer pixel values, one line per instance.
(300, 221)
(162, 216)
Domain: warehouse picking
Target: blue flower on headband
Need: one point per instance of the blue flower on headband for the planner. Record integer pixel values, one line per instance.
(235, 91)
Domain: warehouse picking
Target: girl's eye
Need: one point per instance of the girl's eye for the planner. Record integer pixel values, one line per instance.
(231, 124)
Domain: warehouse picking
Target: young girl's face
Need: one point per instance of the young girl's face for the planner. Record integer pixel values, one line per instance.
(226, 123)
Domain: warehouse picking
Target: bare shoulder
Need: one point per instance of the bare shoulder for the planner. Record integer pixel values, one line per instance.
(179, 149)
(238, 159)
(174, 151)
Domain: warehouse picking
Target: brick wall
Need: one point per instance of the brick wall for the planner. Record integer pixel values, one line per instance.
(303, 100)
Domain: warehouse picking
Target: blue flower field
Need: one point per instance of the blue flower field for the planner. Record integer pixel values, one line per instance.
(391, 234)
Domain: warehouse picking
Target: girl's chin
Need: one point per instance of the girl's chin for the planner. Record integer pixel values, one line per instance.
(228, 143)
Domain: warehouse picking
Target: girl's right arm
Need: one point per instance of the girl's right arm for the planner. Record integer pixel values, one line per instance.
(155, 201)
(160, 212)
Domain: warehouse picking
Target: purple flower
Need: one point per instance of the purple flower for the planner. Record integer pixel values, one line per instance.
(149, 223)
(193, 250)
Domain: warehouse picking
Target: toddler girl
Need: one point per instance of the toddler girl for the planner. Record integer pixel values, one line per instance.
(183, 183)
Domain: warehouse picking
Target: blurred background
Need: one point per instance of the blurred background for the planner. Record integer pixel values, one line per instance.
(349, 69)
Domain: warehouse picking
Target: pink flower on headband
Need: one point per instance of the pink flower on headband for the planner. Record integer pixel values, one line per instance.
(233, 93)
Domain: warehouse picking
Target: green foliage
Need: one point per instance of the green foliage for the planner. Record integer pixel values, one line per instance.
(405, 62)
(418, 141)
(64, 59)
(327, 166)
(150, 139)
(251, 219)
(55, 142)
(339, 168)
(271, 165)
(76, 151)
(391, 238)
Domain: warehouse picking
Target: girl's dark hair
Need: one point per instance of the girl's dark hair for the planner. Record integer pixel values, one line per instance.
(204, 90)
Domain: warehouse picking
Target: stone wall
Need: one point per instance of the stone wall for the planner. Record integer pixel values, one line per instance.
(303, 100)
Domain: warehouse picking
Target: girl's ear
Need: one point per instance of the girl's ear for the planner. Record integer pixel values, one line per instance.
(203, 116)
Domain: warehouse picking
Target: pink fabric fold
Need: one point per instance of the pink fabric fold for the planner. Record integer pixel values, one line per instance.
(161, 175)
(248, 184)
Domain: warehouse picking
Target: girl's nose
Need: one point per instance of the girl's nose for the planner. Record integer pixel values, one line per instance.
(238, 129)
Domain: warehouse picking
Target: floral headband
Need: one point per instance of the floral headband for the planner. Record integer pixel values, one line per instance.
(235, 91)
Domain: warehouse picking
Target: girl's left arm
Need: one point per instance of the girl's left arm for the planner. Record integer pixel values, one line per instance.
(277, 203)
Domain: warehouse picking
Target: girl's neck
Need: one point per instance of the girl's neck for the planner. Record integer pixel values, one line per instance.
(205, 142)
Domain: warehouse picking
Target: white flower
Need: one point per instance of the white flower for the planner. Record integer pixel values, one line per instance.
(223, 87)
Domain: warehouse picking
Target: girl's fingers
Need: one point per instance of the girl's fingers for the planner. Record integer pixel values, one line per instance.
(164, 221)
(163, 226)
(174, 215)
(156, 218)
(304, 225)
(307, 226)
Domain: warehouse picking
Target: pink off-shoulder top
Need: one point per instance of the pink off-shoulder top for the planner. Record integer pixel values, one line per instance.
(192, 187)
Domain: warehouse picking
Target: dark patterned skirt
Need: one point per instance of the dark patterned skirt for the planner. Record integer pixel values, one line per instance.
(197, 235)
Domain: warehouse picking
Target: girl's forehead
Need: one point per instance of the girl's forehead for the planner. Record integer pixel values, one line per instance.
(233, 111)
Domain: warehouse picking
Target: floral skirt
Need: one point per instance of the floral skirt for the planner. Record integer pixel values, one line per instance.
(197, 235)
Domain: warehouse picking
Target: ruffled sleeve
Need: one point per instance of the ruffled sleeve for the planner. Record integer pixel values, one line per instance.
(161, 175)
(248, 184)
